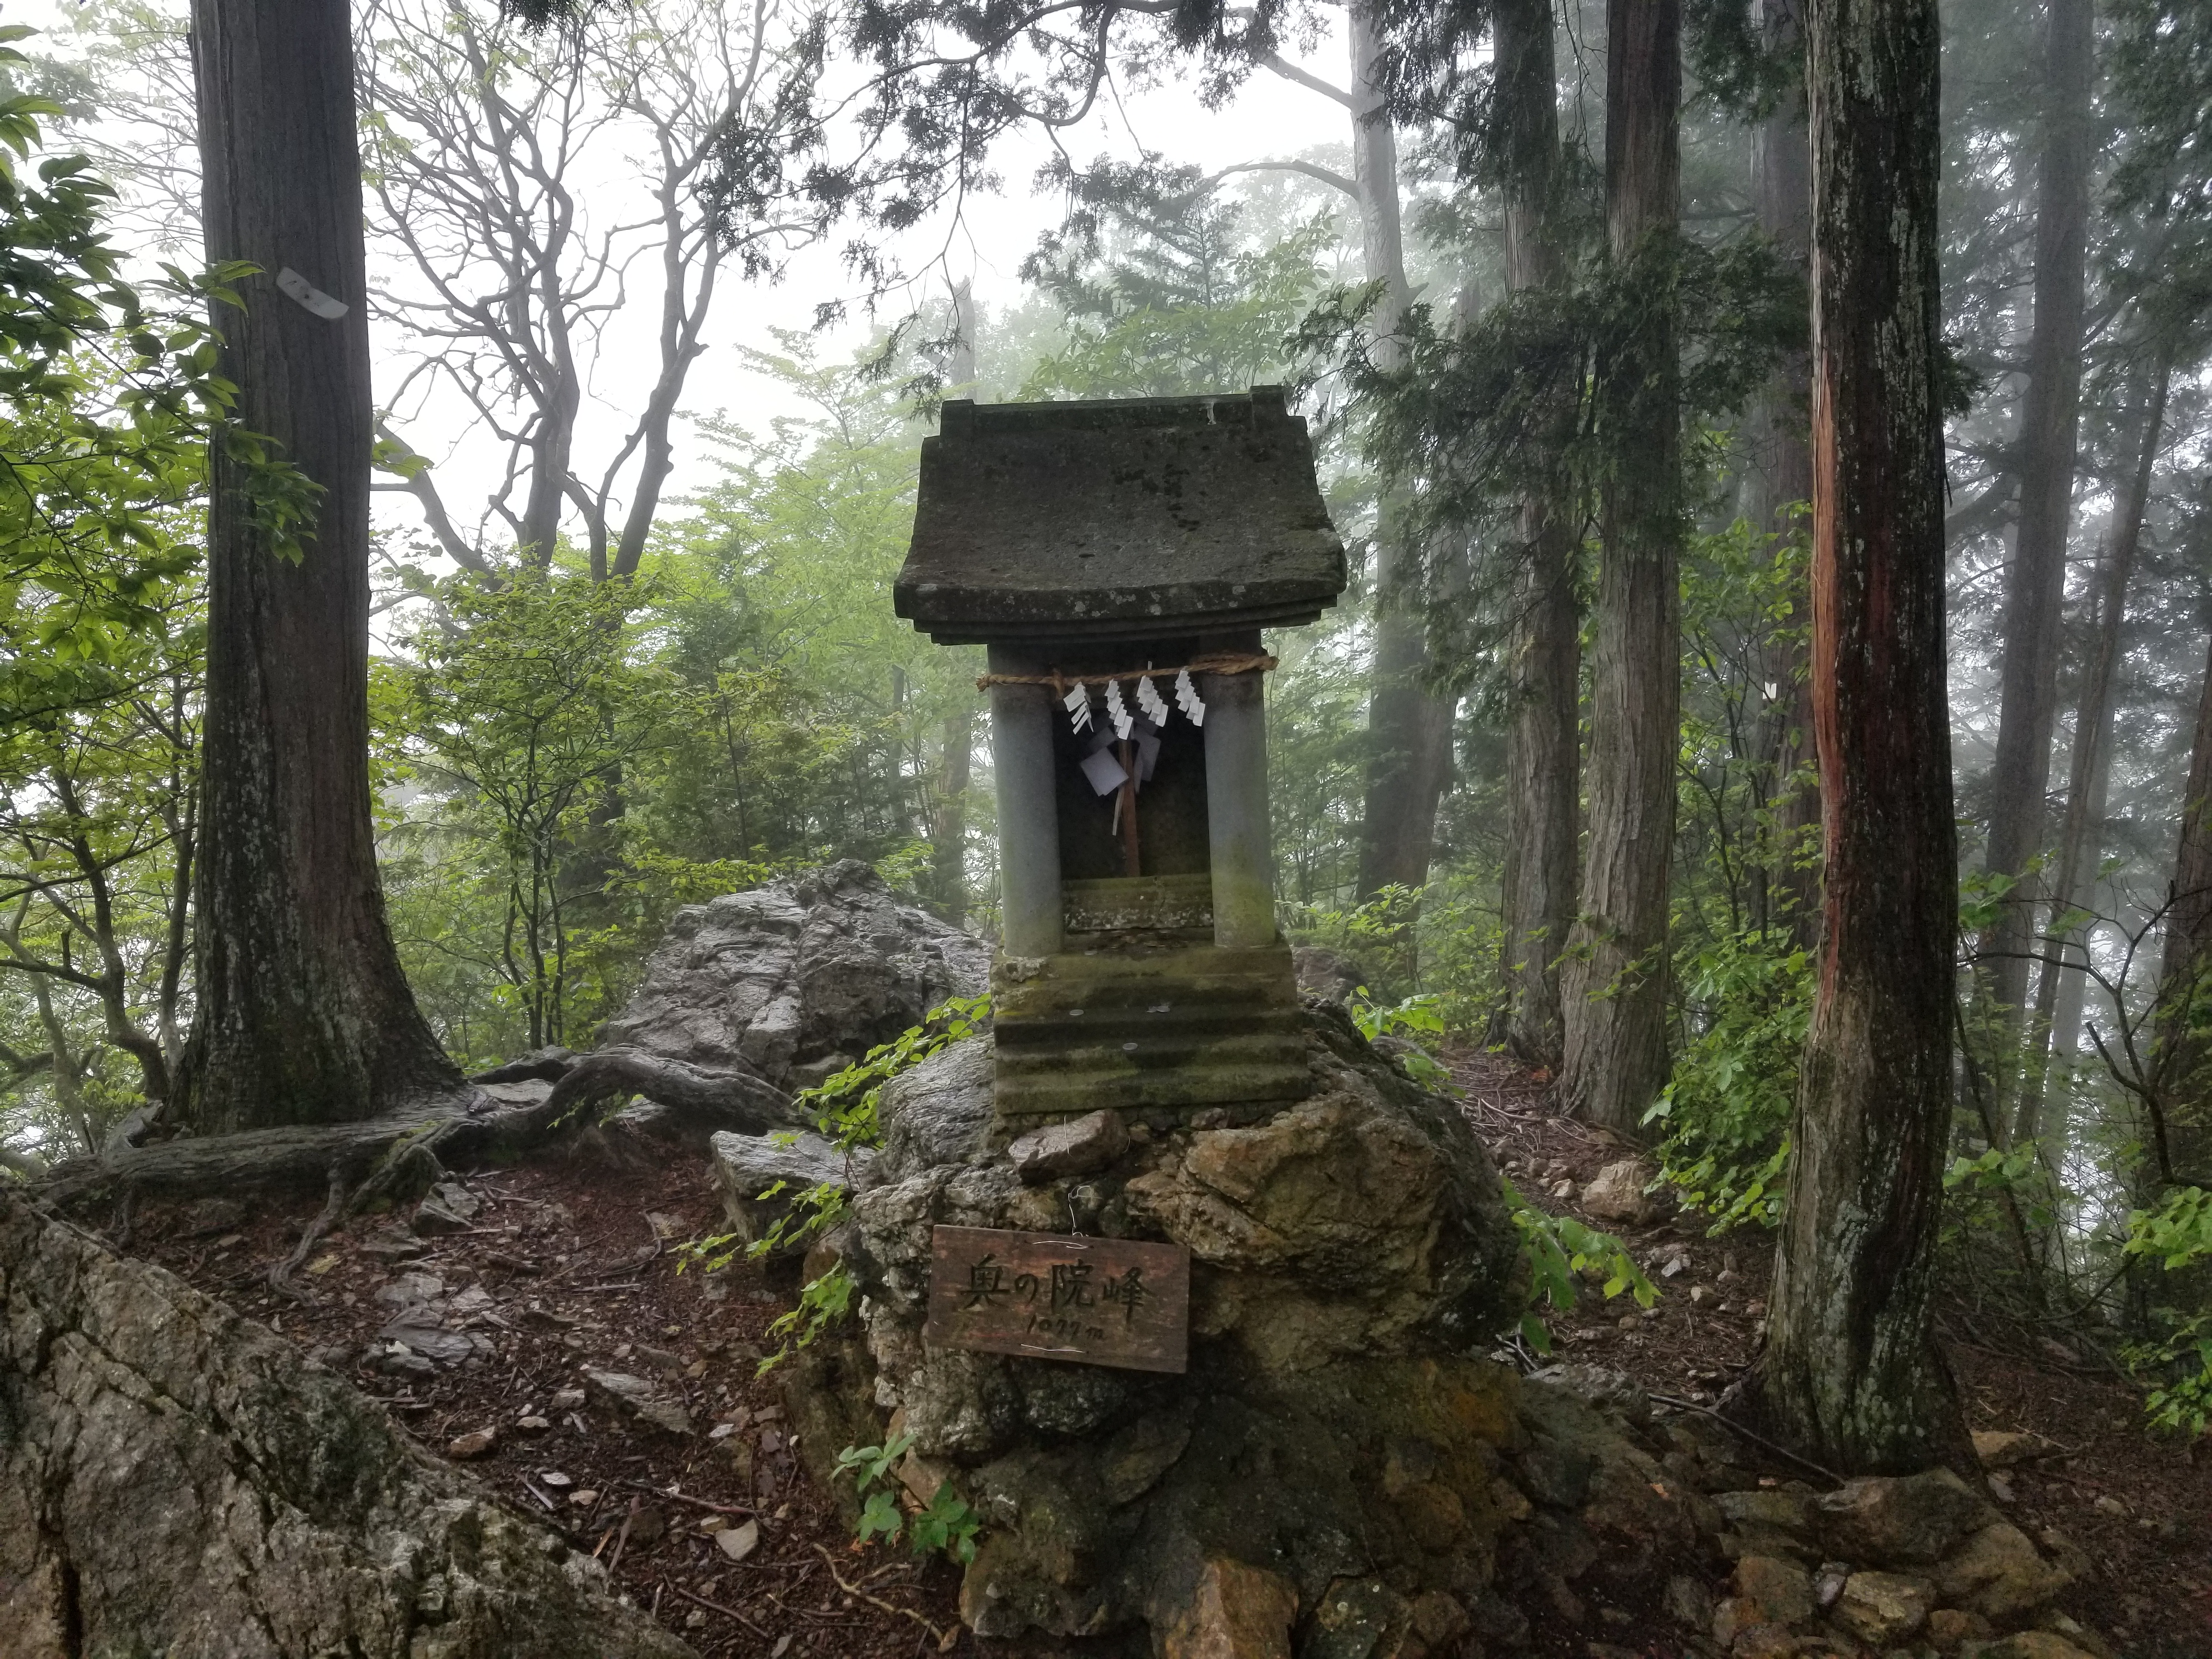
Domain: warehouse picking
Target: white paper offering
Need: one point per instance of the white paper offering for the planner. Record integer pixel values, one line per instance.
(1103, 772)
(1154, 705)
(1078, 704)
(1187, 698)
(1117, 711)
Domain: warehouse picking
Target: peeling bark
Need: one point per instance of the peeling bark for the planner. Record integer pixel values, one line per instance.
(1849, 1375)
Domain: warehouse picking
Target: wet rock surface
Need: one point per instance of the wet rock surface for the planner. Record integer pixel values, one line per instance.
(271, 1509)
(767, 981)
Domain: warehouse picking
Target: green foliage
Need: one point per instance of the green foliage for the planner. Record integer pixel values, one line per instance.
(845, 1115)
(1562, 1255)
(1726, 1108)
(1412, 1019)
(2176, 1361)
(946, 1523)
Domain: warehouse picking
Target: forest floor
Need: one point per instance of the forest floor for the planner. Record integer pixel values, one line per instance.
(570, 1266)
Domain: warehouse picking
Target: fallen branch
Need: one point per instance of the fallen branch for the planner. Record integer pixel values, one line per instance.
(726, 1613)
(944, 1639)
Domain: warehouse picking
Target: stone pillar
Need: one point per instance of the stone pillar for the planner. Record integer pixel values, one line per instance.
(1029, 820)
(1237, 810)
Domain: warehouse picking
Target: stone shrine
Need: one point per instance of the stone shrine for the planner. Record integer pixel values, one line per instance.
(1118, 558)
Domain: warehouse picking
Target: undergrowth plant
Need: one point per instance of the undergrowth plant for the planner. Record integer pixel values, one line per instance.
(1726, 1108)
(946, 1522)
(845, 1115)
(1562, 1255)
(2176, 1362)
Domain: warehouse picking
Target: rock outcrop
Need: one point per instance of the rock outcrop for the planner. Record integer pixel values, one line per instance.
(176, 1480)
(795, 979)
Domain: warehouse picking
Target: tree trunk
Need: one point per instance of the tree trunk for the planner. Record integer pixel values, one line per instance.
(1615, 987)
(1782, 478)
(303, 1014)
(2035, 585)
(1408, 726)
(2088, 769)
(2180, 1137)
(1543, 748)
(1850, 1374)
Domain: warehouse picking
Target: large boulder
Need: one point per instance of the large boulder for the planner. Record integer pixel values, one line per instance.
(176, 1480)
(1335, 1471)
(784, 980)
(750, 1168)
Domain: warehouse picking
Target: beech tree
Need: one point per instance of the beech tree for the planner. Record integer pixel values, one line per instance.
(303, 1014)
(1849, 1373)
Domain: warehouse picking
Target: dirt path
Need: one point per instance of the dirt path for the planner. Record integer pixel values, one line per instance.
(568, 1267)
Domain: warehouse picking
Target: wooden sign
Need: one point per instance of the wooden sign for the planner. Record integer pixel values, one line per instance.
(1056, 1296)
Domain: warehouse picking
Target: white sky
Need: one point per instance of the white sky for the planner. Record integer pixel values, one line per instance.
(1271, 116)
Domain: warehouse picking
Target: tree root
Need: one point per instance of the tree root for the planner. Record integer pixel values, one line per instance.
(393, 1154)
(280, 1273)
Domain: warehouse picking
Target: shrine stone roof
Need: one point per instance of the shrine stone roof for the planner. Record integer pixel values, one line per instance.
(1128, 517)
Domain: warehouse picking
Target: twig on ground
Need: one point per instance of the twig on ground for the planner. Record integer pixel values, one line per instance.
(681, 1497)
(1759, 1440)
(944, 1638)
(726, 1613)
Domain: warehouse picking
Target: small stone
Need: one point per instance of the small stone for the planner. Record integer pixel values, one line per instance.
(1689, 1603)
(1702, 1294)
(1617, 1194)
(738, 1543)
(1910, 1518)
(696, 1619)
(532, 1425)
(1563, 1190)
(394, 1249)
(583, 1498)
(721, 1431)
(406, 1290)
(568, 1400)
(2000, 1448)
(474, 1444)
(433, 1219)
(1237, 1612)
(2034, 1645)
(457, 1200)
(713, 1524)
(555, 1480)
(2108, 1504)
(695, 1371)
(321, 1265)
(1948, 1627)
(1884, 1608)
(1771, 1591)
(1998, 1573)
(1075, 1147)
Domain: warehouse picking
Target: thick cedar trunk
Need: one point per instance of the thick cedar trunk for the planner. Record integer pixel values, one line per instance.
(1782, 478)
(1543, 753)
(303, 1014)
(1616, 986)
(1408, 726)
(2088, 770)
(1850, 1374)
(2180, 1136)
(2035, 585)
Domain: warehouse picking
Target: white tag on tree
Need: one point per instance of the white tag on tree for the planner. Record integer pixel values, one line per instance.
(305, 292)
(1104, 773)
(1187, 698)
